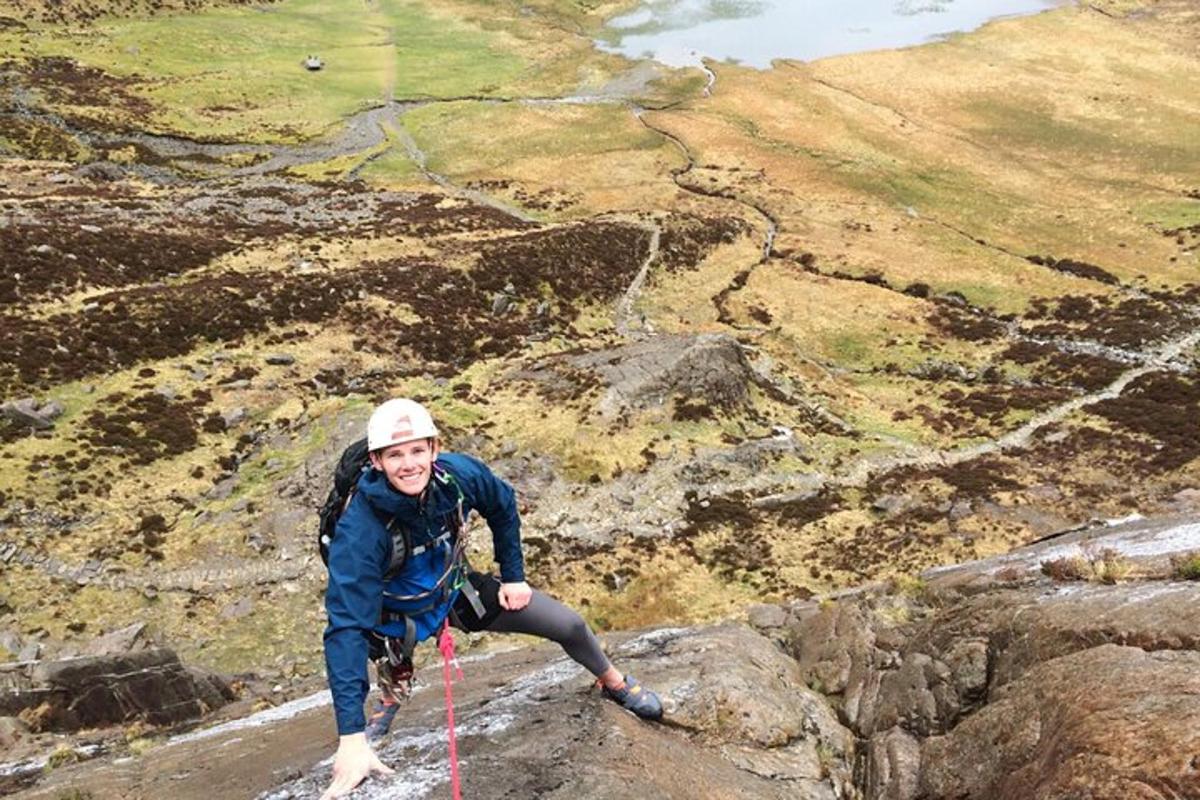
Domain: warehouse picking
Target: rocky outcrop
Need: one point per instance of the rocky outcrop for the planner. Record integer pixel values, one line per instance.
(1106, 722)
(90, 691)
(970, 685)
(704, 373)
(739, 724)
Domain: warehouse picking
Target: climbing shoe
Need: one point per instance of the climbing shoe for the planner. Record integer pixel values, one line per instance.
(635, 698)
(381, 718)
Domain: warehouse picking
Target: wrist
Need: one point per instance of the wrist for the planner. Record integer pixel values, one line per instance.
(353, 741)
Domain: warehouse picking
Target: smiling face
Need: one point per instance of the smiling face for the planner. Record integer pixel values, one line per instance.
(408, 466)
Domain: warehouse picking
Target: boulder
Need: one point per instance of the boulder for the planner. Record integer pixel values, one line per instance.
(893, 763)
(1016, 688)
(123, 640)
(709, 370)
(739, 724)
(26, 412)
(92, 691)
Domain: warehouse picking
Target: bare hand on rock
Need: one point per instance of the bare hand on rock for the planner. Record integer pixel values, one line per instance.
(355, 760)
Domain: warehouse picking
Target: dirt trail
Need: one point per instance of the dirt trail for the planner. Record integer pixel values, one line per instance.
(624, 313)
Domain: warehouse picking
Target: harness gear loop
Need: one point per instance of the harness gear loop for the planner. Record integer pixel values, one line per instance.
(446, 646)
(395, 668)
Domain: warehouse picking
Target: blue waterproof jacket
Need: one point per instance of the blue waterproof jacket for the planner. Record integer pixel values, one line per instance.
(361, 551)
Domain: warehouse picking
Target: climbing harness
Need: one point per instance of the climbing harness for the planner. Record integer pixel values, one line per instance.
(395, 666)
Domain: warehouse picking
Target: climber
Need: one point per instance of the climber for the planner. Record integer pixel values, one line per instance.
(395, 548)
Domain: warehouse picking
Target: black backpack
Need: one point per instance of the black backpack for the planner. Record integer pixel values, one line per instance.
(350, 467)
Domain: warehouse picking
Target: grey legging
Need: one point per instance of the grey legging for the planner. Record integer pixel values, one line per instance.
(544, 616)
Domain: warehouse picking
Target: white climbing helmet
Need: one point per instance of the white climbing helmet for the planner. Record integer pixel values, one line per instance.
(398, 421)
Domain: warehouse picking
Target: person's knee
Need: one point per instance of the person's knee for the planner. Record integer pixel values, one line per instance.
(577, 631)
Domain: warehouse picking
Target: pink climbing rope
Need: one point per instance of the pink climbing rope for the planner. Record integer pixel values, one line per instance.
(445, 644)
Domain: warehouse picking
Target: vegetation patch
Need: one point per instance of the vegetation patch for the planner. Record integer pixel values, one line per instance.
(1186, 567)
(1130, 322)
(1052, 367)
(1080, 269)
(1163, 408)
(142, 429)
(57, 257)
(996, 403)
(687, 239)
(66, 83)
(1108, 567)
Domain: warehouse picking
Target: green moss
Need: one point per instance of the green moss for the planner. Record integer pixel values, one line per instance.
(909, 585)
(851, 348)
(63, 755)
(393, 164)
(443, 57)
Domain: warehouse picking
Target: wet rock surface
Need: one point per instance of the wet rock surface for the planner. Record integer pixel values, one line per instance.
(530, 724)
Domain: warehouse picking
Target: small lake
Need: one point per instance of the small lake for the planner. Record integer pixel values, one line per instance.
(752, 32)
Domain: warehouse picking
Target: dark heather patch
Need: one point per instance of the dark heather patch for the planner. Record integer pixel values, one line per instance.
(799, 513)
(713, 512)
(429, 215)
(55, 258)
(760, 315)
(592, 261)
(1165, 408)
(688, 410)
(579, 264)
(1079, 269)
(686, 240)
(34, 138)
(457, 327)
(155, 322)
(957, 323)
(65, 81)
(75, 11)
(1132, 322)
(1056, 368)
(947, 422)
(719, 299)
(981, 477)
(142, 429)
(995, 402)
(744, 557)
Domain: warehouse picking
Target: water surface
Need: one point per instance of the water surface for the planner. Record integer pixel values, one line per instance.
(753, 32)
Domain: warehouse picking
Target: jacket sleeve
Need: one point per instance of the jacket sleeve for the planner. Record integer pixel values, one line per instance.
(496, 501)
(353, 599)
